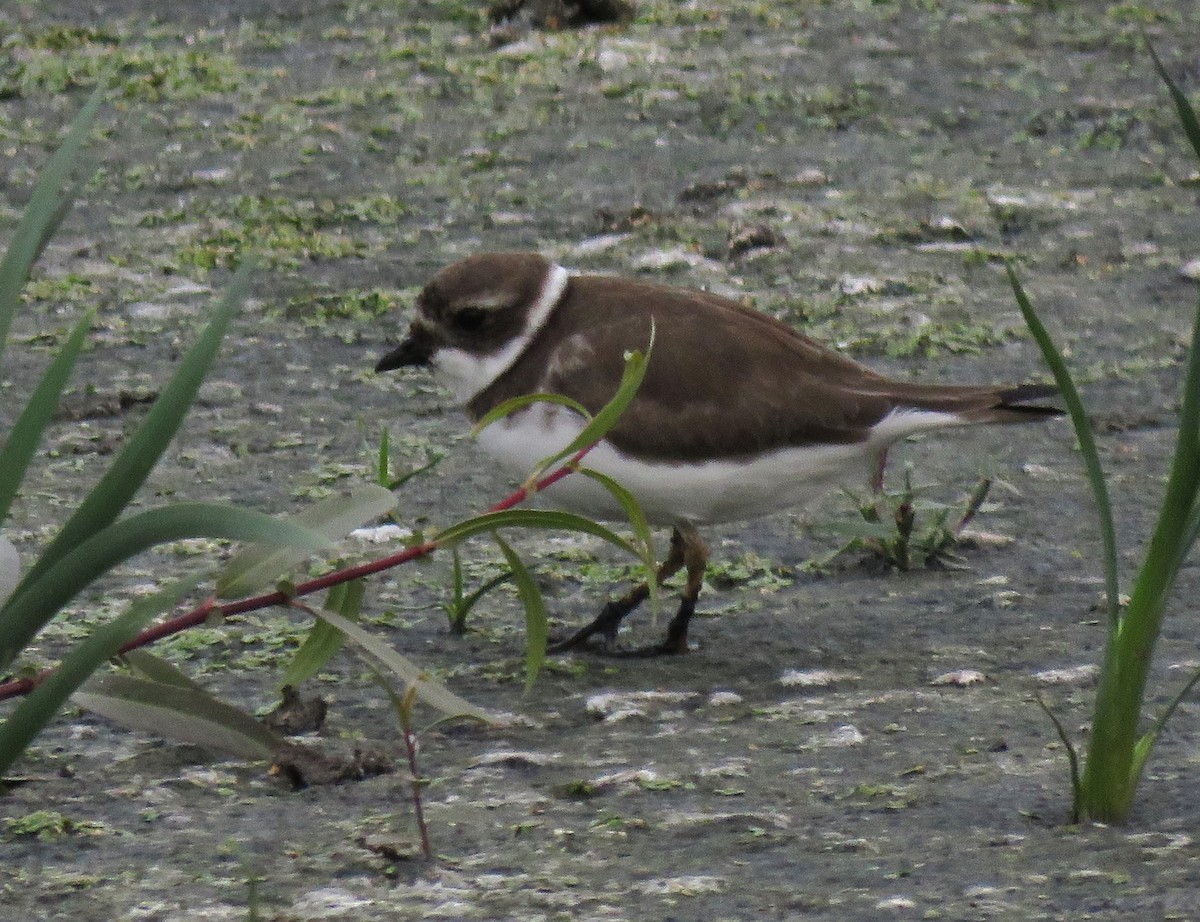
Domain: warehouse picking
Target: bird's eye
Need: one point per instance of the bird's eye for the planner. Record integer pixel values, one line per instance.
(470, 319)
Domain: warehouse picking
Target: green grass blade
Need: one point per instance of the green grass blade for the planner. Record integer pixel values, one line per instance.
(1145, 745)
(188, 715)
(457, 575)
(254, 568)
(466, 603)
(1072, 754)
(434, 460)
(1087, 443)
(1117, 755)
(324, 640)
(10, 569)
(1187, 115)
(46, 208)
(430, 691)
(534, 518)
(66, 202)
(537, 624)
(39, 707)
(1190, 534)
(37, 601)
(26, 433)
(383, 471)
(516, 403)
(141, 453)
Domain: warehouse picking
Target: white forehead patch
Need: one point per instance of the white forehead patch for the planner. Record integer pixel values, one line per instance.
(467, 374)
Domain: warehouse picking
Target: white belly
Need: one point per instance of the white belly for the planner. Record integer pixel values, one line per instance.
(703, 493)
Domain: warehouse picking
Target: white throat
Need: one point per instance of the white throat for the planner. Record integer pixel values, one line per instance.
(467, 374)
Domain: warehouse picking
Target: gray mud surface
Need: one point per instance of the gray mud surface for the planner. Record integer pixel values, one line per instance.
(804, 762)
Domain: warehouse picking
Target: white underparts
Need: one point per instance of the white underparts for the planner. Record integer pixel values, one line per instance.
(705, 492)
(466, 373)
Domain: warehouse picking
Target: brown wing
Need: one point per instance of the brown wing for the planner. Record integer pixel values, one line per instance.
(723, 380)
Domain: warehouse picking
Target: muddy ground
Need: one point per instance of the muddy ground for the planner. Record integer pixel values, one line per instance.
(804, 761)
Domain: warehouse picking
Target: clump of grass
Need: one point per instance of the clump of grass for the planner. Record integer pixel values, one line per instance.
(1105, 785)
(907, 531)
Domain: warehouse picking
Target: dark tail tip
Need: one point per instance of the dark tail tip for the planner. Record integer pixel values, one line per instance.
(1019, 401)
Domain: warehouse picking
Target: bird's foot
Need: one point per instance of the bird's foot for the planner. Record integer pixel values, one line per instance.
(668, 646)
(687, 551)
(605, 627)
(674, 643)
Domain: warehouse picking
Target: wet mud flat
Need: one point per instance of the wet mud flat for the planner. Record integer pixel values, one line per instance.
(842, 744)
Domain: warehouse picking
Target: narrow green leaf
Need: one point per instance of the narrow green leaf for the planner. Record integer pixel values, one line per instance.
(254, 568)
(39, 707)
(401, 703)
(639, 524)
(430, 691)
(1190, 534)
(187, 715)
(10, 569)
(516, 403)
(433, 461)
(1146, 744)
(537, 625)
(131, 467)
(457, 577)
(1087, 443)
(324, 640)
(463, 603)
(46, 208)
(534, 518)
(148, 666)
(37, 601)
(1187, 115)
(632, 509)
(609, 414)
(383, 472)
(63, 208)
(860, 528)
(1069, 746)
(26, 434)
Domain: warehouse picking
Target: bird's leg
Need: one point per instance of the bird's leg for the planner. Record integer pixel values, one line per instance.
(877, 494)
(694, 554)
(609, 620)
(877, 474)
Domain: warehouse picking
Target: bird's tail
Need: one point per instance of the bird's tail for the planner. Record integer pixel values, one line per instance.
(981, 404)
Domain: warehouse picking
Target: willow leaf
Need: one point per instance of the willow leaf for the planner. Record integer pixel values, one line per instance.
(145, 664)
(513, 404)
(551, 519)
(537, 625)
(609, 414)
(324, 640)
(429, 690)
(334, 517)
(188, 715)
(637, 522)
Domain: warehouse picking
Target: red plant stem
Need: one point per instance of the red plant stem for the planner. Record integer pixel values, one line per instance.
(410, 745)
(15, 688)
